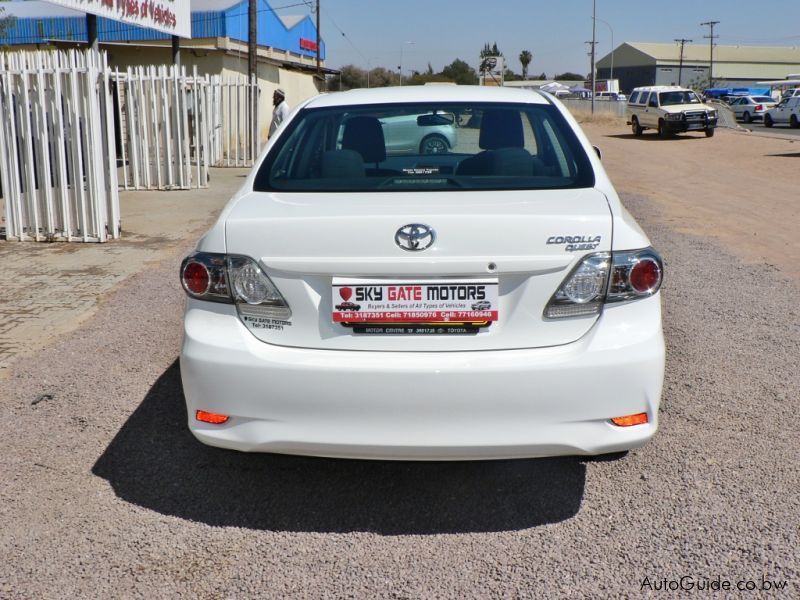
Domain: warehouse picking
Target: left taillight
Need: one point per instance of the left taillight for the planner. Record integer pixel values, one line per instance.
(233, 279)
(204, 276)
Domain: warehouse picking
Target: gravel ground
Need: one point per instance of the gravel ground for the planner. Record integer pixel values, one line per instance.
(105, 493)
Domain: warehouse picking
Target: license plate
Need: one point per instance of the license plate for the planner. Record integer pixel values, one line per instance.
(444, 302)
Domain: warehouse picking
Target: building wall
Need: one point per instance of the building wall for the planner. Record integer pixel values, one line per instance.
(297, 85)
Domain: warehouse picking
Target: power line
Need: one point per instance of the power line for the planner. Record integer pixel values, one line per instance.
(682, 42)
(710, 39)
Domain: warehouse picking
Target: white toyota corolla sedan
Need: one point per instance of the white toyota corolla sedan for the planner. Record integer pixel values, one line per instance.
(491, 301)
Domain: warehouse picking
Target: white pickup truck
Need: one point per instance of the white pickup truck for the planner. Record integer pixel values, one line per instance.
(669, 110)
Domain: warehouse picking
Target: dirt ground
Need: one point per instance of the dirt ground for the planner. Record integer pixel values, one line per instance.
(106, 494)
(742, 189)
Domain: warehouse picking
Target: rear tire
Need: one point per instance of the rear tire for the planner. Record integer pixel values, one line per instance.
(767, 121)
(793, 123)
(635, 127)
(709, 132)
(747, 118)
(434, 144)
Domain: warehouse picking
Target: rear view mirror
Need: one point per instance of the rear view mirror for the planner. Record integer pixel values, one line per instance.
(436, 119)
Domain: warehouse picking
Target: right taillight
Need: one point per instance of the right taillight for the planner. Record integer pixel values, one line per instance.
(606, 277)
(634, 274)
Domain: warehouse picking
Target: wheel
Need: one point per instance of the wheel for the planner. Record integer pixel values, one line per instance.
(635, 127)
(663, 132)
(709, 132)
(433, 144)
(767, 121)
(746, 117)
(793, 123)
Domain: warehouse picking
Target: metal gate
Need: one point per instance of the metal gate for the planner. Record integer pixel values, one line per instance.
(57, 160)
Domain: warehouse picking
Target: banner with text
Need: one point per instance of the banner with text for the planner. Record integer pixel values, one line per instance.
(170, 16)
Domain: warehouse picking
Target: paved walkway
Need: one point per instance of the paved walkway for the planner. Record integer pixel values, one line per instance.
(49, 289)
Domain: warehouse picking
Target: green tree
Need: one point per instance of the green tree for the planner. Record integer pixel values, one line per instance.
(353, 77)
(569, 77)
(542, 77)
(511, 76)
(525, 58)
(6, 23)
(490, 50)
(460, 72)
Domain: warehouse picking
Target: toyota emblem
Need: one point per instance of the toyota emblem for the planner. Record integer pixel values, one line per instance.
(414, 237)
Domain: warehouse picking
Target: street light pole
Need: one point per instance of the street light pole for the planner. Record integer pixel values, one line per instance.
(607, 24)
(594, 43)
(400, 68)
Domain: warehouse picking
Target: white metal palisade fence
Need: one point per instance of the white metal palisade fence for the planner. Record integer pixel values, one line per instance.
(57, 160)
(174, 126)
(60, 151)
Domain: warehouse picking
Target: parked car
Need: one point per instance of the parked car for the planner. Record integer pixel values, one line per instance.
(786, 111)
(669, 110)
(751, 108)
(419, 134)
(568, 358)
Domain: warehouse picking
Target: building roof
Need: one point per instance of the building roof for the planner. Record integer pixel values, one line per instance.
(730, 62)
(740, 54)
(39, 22)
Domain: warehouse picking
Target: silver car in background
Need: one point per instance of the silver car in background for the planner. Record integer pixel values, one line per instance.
(751, 108)
(419, 134)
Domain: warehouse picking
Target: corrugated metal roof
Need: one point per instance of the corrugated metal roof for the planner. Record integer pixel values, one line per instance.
(738, 54)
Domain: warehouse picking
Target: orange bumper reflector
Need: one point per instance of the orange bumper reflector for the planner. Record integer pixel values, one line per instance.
(209, 417)
(628, 420)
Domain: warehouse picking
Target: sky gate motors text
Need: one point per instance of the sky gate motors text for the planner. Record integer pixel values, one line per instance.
(418, 292)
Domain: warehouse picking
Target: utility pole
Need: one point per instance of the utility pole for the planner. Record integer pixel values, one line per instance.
(594, 45)
(711, 39)
(176, 51)
(319, 70)
(682, 42)
(252, 73)
(91, 31)
(591, 53)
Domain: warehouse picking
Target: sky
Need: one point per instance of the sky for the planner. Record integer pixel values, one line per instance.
(373, 32)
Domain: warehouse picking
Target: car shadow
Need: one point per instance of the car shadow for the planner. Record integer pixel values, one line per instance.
(787, 155)
(154, 462)
(653, 137)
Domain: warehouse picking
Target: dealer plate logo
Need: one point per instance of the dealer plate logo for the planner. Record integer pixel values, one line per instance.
(415, 237)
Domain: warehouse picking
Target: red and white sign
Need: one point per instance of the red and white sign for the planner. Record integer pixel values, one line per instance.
(170, 16)
(440, 301)
(307, 44)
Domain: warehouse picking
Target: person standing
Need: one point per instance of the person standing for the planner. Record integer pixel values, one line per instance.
(280, 112)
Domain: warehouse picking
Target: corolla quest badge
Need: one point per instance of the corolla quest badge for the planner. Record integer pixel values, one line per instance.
(415, 236)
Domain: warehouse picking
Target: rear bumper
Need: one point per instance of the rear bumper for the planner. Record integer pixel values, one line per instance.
(425, 405)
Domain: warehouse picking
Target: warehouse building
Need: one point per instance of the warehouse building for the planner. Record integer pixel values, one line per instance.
(637, 63)
(287, 44)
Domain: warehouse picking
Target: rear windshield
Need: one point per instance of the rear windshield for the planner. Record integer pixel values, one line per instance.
(410, 147)
(763, 99)
(672, 98)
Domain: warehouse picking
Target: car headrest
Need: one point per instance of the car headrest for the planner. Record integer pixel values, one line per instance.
(365, 136)
(501, 129)
(511, 162)
(341, 164)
